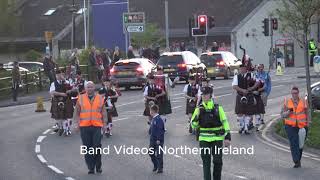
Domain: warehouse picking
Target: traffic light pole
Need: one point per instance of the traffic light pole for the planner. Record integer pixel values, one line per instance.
(195, 38)
(73, 32)
(271, 38)
(167, 23)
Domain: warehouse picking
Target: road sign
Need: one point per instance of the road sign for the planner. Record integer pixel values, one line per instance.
(133, 18)
(48, 35)
(135, 28)
(133, 22)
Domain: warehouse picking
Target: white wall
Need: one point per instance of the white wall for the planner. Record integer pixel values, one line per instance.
(256, 44)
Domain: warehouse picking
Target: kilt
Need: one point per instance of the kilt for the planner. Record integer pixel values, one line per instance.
(260, 109)
(165, 106)
(246, 109)
(61, 114)
(190, 107)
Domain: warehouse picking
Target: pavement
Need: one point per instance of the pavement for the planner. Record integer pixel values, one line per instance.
(30, 150)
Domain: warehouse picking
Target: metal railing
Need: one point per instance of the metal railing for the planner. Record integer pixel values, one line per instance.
(33, 81)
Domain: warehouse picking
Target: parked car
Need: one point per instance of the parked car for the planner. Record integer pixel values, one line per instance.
(220, 64)
(180, 64)
(131, 72)
(315, 95)
(31, 66)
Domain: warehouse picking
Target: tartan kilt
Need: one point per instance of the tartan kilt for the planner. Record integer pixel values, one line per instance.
(190, 107)
(165, 106)
(65, 113)
(245, 109)
(260, 105)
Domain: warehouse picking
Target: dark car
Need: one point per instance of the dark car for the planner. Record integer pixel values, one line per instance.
(220, 64)
(315, 95)
(180, 64)
(131, 72)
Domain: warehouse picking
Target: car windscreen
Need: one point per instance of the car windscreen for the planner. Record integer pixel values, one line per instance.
(210, 60)
(170, 60)
(126, 66)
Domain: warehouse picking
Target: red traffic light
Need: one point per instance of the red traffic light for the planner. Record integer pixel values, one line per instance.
(202, 19)
(275, 24)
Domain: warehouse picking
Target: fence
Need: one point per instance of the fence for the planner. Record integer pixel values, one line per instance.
(32, 81)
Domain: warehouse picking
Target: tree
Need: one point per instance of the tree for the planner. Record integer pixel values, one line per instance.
(151, 35)
(296, 17)
(9, 22)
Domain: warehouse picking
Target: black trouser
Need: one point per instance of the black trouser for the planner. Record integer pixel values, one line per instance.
(216, 159)
(15, 90)
(91, 138)
(51, 75)
(156, 155)
(311, 59)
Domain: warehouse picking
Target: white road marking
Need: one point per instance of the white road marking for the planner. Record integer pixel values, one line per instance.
(274, 115)
(52, 132)
(121, 119)
(200, 165)
(40, 138)
(177, 156)
(37, 149)
(280, 146)
(69, 178)
(178, 98)
(241, 177)
(175, 101)
(177, 107)
(41, 158)
(129, 103)
(46, 131)
(277, 86)
(224, 95)
(55, 169)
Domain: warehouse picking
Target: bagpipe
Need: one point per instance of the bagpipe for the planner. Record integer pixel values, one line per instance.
(247, 64)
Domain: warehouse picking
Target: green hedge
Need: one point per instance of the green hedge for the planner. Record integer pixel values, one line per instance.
(313, 139)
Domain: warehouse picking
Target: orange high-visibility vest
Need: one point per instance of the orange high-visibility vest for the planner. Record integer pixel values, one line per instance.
(298, 118)
(91, 113)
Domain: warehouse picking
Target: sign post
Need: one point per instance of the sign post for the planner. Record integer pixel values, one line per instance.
(48, 36)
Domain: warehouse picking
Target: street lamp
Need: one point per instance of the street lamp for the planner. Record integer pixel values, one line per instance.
(73, 32)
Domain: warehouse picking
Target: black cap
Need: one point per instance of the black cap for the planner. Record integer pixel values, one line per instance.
(206, 90)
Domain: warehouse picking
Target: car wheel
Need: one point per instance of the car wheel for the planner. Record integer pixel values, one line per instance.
(213, 78)
(227, 75)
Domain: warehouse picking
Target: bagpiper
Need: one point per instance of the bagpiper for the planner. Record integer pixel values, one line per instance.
(191, 94)
(61, 104)
(111, 97)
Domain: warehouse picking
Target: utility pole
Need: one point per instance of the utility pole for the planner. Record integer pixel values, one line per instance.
(167, 23)
(73, 32)
(85, 24)
(196, 38)
(88, 22)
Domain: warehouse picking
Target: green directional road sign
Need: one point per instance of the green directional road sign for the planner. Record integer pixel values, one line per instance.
(133, 22)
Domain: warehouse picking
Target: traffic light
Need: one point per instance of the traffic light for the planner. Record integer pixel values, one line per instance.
(274, 23)
(202, 29)
(211, 23)
(266, 27)
(191, 24)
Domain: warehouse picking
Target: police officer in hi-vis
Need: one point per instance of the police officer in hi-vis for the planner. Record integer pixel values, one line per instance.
(214, 131)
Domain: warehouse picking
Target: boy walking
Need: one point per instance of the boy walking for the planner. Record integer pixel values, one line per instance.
(157, 130)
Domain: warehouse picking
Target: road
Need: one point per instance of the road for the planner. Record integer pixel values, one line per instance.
(26, 141)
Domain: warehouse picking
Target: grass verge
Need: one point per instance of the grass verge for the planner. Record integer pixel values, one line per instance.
(313, 139)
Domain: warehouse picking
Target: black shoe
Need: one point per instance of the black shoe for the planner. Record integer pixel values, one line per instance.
(250, 126)
(190, 129)
(56, 130)
(257, 129)
(60, 132)
(240, 131)
(297, 165)
(246, 132)
(154, 169)
(160, 171)
(262, 121)
(99, 170)
(91, 172)
(148, 122)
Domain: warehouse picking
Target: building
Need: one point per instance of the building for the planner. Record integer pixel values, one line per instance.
(249, 34)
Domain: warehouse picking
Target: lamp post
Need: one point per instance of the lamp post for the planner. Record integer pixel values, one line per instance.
(73, 31)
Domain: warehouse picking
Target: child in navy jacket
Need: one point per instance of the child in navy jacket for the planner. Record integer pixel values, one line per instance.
(157, 131)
